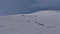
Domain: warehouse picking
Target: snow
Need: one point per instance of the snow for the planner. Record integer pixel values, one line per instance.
(41, 22)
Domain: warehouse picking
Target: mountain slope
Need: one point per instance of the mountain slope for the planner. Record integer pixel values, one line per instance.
(41, 22)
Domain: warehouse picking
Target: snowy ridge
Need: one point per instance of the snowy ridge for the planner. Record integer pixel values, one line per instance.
(44, 12)
(41, 22)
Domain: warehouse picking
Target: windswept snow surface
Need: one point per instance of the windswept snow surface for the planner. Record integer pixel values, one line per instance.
(41, 22)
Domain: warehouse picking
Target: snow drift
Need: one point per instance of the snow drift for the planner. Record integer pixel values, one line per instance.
(41, 22)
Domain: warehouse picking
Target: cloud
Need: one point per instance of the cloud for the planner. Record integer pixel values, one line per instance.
(44, 3)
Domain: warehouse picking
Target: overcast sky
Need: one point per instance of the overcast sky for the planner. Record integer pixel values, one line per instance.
(27, 6)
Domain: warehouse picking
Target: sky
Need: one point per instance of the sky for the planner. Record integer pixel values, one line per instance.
(27, 6)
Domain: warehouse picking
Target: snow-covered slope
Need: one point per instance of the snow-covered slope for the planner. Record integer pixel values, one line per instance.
(41, 22)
